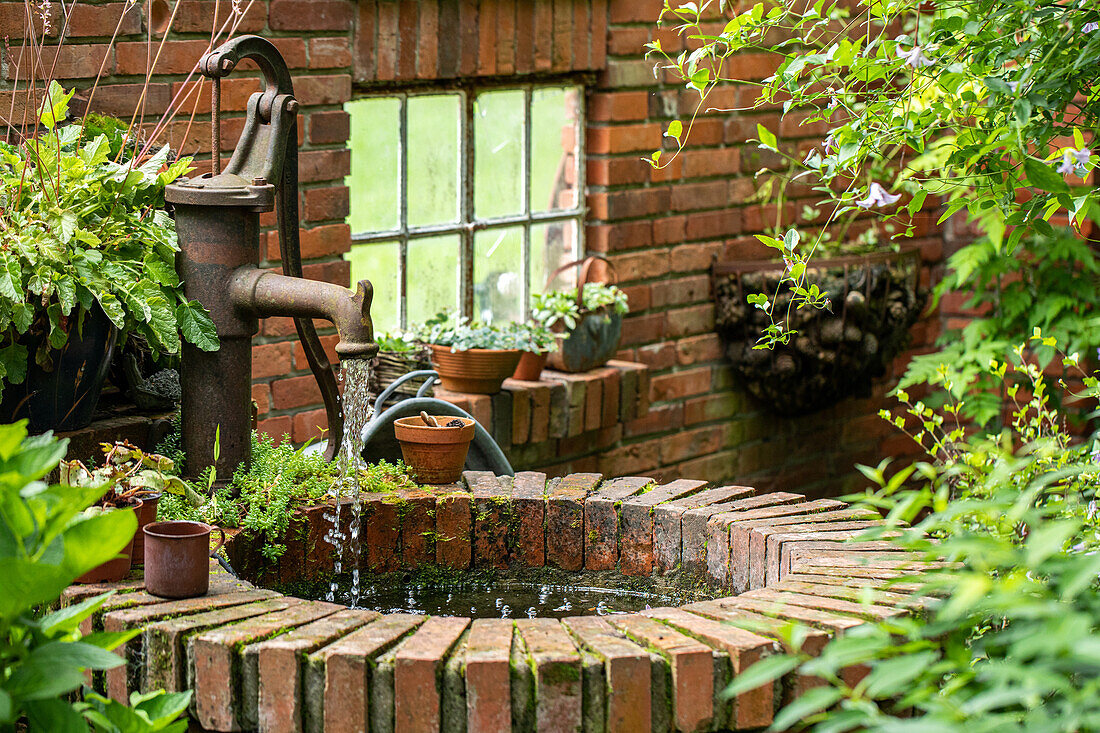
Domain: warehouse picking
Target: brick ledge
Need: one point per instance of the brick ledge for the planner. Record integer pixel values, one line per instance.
(559, 405)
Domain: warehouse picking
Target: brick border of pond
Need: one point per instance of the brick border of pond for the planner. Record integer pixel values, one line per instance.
(260, 660)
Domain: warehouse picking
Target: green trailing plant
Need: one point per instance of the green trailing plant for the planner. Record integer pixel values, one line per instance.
(987, 106)
(262, 499)
(82, 231)
(47, 539)
(1007, 638)
(1040, 282)
(560, 306)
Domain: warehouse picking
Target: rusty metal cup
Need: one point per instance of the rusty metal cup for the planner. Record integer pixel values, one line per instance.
(177, 558)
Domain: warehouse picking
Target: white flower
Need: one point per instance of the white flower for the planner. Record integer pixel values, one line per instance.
(1090, 27)
(877, 196)
(1013, 85)
(915, 57)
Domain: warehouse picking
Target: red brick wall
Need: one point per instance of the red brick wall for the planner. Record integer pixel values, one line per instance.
(659, 228)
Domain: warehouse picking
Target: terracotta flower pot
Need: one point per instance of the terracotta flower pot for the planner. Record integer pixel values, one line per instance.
(177, 558)
(530, 366)
(474, 371)
(117, 569)
(146, 514)
(435, 455)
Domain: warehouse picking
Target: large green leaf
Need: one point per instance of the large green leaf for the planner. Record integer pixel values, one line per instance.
(1043, 176)
(54, 716)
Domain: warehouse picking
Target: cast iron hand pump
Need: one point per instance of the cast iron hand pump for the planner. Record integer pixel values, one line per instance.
(218, 223)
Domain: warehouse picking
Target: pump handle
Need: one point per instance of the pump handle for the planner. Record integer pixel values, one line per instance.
(268, 150)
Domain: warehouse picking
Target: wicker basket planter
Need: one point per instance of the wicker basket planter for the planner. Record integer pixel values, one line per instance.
(836, 353)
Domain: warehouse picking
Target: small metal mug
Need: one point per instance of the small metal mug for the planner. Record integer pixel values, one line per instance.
(177, 558)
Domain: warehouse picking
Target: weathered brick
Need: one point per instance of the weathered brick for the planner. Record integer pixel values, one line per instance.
(529, 511)
(452, 529)
(488, 675)
(339, 674)
(565, 519)
(216, 662)
(273, 670)
(627, 672)
(121, 681)
(753, 708)
(557, 670)
(416, 668)
(691, 664)
(601, 521)
(492, 517)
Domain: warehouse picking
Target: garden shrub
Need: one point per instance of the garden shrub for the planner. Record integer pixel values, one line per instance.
(1010, 638)
(48, 539)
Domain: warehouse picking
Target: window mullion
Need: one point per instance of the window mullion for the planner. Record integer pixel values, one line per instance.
(466, 256)
(528, 123)
(403, 241)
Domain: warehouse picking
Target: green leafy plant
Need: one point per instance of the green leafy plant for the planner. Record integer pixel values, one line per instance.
(461, 335)
(560, 306)
(397, 342)
(282, 478)
(987, 106)
(1006, 639)
(130, 472)
(46, 541)
(1040, 282)
(80, 231)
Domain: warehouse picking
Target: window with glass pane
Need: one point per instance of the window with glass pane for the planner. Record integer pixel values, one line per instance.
(466, 200)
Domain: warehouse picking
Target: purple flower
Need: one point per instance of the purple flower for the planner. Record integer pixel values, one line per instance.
(829, 144)
(1074, 161)
(1090, 27)
(877, 196)
(1013, 85)
(915, 57)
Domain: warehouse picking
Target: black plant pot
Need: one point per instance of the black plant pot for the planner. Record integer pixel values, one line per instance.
(64, 397)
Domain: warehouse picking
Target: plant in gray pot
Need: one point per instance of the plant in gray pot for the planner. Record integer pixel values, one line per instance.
(590, 318)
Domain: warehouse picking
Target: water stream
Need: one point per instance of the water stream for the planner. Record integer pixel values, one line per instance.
(354, 377)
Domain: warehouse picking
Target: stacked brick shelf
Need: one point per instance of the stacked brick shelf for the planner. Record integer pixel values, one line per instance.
(259, 660)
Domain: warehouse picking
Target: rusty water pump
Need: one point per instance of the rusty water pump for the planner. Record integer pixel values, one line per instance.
(218, 225)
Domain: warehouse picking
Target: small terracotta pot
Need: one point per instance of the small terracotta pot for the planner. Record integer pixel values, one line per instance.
(435, 455)
(530, 366)
(146, 514)
(474, 371)
(117, 569)
(177, 558)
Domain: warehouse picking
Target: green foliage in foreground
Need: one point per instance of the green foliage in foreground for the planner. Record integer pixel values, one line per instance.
(46, 541)
(281, 479)
(1040, 282)
(1012, 640)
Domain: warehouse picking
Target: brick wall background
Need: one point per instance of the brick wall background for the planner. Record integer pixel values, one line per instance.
(659, 228)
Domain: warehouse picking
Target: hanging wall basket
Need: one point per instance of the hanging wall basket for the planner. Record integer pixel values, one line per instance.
(874, 300)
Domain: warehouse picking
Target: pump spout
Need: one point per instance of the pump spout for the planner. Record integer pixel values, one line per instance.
(259, 293)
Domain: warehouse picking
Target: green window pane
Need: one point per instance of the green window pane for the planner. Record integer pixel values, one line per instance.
(554, 159)
(498, 275)
(433, 155)
(432, 280)
(379, 263)
(552, 245)
(374, 182)
(498, 153)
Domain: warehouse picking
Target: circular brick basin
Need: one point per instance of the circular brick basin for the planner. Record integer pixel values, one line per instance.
(263, 660)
